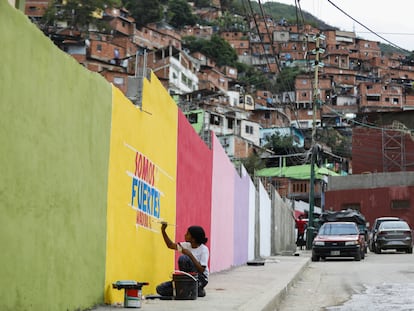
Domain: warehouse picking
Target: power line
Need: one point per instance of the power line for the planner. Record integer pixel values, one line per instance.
(367, 28)
(390, 33)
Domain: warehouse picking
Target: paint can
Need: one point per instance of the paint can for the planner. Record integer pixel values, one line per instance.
(185, 285)
(132, 298)
(132, 293)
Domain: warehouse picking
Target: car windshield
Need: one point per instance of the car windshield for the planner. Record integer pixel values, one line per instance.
(394, 225)
(338, 229)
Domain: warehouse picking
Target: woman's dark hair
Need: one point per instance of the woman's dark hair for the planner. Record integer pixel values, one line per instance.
(198, 234)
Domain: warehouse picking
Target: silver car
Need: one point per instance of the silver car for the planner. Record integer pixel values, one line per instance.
(393, 235)
(375, 226)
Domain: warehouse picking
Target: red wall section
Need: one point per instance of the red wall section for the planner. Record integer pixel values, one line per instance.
(374, 203)
(194, 175)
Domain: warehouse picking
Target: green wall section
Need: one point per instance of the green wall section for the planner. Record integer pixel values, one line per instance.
(54, 149)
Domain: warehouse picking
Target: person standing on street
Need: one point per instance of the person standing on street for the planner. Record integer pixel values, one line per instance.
(301, 224)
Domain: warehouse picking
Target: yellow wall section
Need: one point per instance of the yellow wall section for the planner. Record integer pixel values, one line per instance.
(137, 252)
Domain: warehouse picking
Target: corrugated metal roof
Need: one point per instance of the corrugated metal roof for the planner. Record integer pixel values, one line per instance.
(295, 172)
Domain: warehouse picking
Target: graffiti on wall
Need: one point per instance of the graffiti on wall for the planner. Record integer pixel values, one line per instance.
(145, 195)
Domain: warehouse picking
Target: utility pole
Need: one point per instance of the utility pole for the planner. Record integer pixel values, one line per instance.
(314, 148)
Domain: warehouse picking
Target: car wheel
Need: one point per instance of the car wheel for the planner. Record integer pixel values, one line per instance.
(377, 250)
(315, 258)
(358, 257)
(409, 250)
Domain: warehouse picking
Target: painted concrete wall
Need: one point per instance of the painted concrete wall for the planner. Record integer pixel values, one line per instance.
(141, 189)
(367, 181)
(222, 210)
(241, 216)
(375, 202)
(265, 221)
(87, 177)
(194, 178)
(251, 252)
(54, 137)
(374, 194)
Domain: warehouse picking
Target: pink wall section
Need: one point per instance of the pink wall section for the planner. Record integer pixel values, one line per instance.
(194, 174)
(222, 213)
(241, 217)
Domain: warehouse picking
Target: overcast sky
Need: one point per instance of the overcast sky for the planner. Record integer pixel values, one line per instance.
(391, 19)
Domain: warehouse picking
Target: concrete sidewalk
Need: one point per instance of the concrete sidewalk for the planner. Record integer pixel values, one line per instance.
(244, 288)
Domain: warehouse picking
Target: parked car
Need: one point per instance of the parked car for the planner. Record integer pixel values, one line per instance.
(338, 239)
(348, 215)
(394, 235)
(374, 230)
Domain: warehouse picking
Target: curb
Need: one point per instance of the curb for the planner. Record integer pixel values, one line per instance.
(280, 296)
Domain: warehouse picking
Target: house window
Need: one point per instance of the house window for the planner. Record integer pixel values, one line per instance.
(230, 123)
(249, 129)
(192, 118)
(373, 98)
(225, 142)
(395, 101)
(300, 187)
(215, 119)
(99, 47)
(267, 115)
(400, 204)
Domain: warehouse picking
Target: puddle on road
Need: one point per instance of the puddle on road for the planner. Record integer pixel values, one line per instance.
(384, 297)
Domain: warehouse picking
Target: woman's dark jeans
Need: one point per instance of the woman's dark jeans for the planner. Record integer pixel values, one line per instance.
(184, 264)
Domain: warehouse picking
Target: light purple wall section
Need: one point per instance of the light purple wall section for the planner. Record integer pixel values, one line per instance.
(222, 210)
(241, 217)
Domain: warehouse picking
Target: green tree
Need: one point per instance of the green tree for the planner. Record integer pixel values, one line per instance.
(179, 14)
(250, 75)
(253, 163)
(145, 11)
(232, 22)
(285, 81)
(280, 144)
(216, 49)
